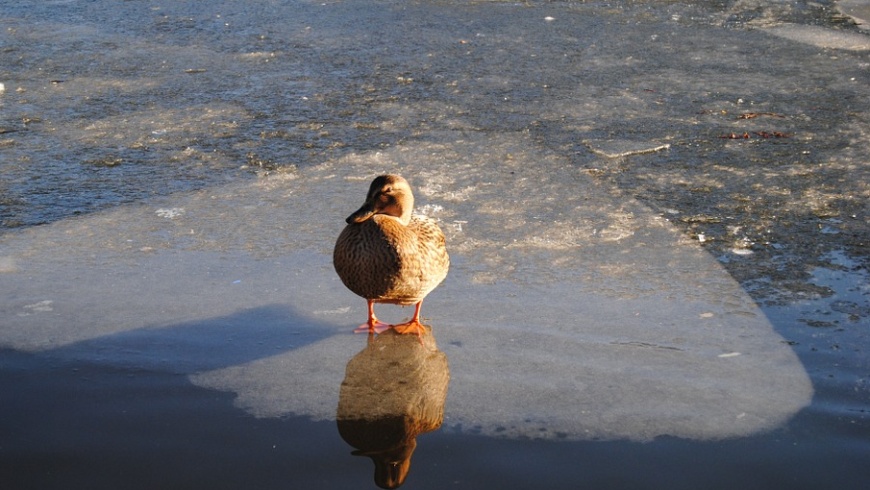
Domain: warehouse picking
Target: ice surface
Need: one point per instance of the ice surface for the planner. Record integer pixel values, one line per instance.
(571, 311)
(822, 38)
(560, 144)
(859, 10)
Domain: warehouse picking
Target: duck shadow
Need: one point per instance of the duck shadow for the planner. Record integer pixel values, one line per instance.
(119, 410)
(393, 390)
(201, 345)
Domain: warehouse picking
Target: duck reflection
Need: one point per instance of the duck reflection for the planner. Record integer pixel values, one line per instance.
(393, 390)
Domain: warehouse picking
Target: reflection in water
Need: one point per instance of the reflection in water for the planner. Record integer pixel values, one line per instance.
(393, 390)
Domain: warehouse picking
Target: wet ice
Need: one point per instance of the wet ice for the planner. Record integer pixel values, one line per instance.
(573, 310)
(579, 312)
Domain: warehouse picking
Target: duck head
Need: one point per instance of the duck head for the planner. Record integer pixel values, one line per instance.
(388, 194)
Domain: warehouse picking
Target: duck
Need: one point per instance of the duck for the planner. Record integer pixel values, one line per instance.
(388, 254)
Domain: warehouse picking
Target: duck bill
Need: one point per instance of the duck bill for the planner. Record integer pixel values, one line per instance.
(365, 212)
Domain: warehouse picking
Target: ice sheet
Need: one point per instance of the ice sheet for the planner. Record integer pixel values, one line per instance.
(570, 312)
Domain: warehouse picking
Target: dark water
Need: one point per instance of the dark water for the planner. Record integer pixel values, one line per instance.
(108, 103)
(79, 426)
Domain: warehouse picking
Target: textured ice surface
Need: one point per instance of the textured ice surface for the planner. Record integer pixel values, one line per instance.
(822, 38)
(859, 10)
(571, 311)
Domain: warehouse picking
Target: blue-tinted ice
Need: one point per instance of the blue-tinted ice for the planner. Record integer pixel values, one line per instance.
(570, 311)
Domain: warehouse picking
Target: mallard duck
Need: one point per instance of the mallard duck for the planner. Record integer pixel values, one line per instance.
(387, 255)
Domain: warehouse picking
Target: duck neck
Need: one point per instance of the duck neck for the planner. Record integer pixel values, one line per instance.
(404, 209)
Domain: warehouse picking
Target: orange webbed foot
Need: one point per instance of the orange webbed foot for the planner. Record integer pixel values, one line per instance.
(412, 327)
(373, 325)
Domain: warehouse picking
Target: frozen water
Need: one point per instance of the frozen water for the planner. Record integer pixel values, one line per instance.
(823, 38)
(570, 311)
(859, 10)
(191, 163)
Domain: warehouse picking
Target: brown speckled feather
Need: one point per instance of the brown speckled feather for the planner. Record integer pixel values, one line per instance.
(383, 260)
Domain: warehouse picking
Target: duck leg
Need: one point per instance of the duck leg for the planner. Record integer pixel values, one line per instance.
(413, 325)
(373, 325)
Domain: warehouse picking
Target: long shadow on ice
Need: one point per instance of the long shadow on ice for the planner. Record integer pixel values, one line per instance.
(120, 411)
(202, 345)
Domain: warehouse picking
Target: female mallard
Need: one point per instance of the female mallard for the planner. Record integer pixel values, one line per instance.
(386, 255)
